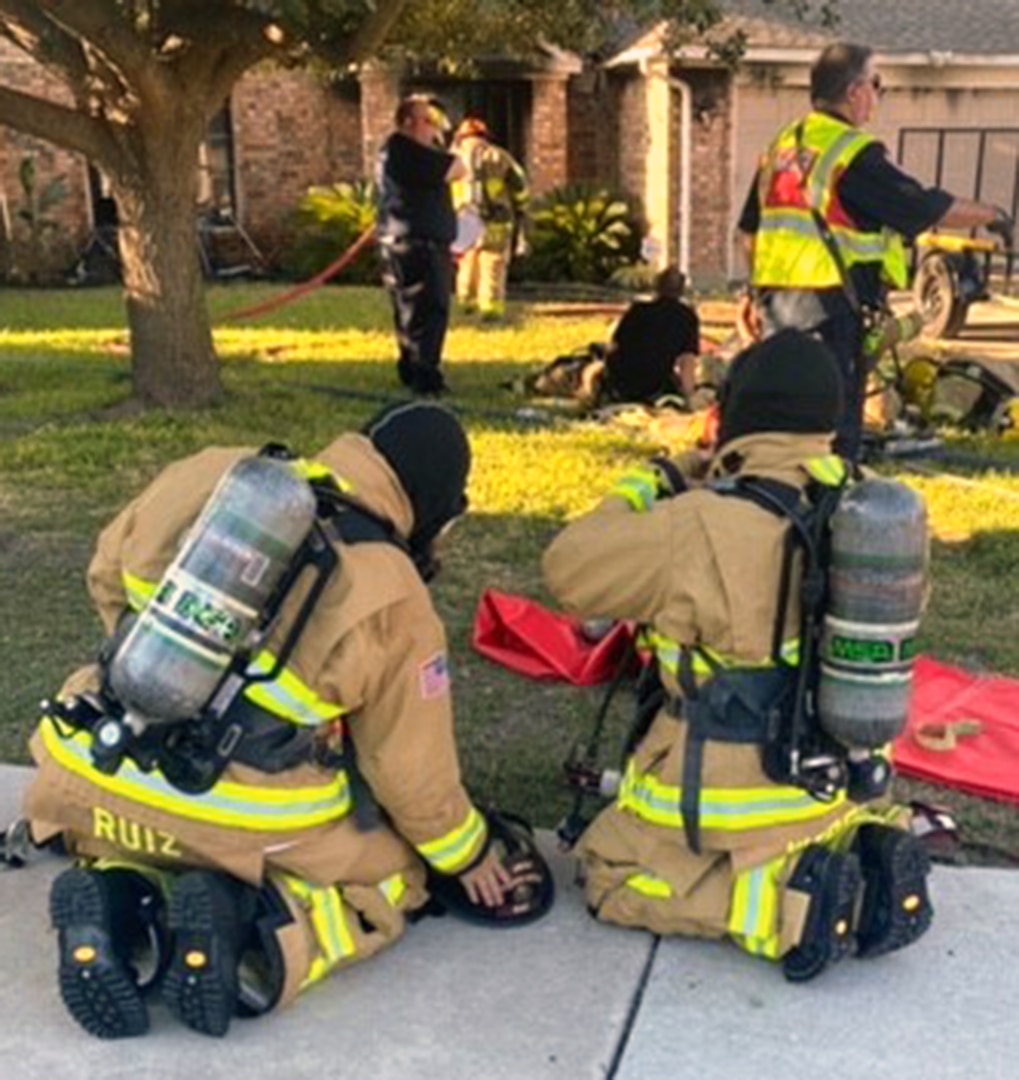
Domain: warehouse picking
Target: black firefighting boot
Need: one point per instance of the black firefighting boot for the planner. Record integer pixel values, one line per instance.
(211, 916)
(896, 909)
(833, 883)
(112, 947)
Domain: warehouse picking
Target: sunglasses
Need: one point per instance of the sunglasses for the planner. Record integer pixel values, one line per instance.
(877, 85)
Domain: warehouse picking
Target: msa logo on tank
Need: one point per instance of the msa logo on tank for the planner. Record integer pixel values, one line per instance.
(207, 606)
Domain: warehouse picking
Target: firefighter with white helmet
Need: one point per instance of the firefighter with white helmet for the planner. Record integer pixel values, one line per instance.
(494, 193)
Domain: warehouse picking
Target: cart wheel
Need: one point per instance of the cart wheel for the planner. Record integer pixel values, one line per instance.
(937, 295)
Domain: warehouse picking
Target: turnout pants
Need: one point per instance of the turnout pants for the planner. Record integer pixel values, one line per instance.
(482, 269)
(418, 275)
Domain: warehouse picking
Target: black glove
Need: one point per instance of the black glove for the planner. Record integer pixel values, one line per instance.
(1003, 226)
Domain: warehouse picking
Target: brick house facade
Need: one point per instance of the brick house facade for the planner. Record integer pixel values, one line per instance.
(678, 133)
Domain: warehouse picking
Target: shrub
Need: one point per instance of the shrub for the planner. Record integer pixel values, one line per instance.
(581, 233)
(327, 221)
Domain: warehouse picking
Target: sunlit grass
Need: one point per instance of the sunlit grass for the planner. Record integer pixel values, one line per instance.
(69, 458)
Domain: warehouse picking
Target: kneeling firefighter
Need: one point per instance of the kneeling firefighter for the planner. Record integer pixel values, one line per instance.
(259, 777)
(781, 601)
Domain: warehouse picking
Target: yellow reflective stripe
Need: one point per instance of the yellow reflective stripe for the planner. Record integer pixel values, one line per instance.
(639, 488)
(828, 469)
(308, 469)
(394, 889)
(287, 696)
(842, 149)
(753, 918)
(324, 905)
(649, 885)
(242, 806)
(667, 651)
(724, 809)
(139, 591)
(458, 847)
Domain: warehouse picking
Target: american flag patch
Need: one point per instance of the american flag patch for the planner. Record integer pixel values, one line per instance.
(434, 677)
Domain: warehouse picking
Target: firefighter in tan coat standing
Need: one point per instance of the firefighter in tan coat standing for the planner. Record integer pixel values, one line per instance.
(298, 838)
(704, 838)
(495, 194)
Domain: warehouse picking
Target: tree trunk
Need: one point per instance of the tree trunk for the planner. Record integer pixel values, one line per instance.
(173, 361)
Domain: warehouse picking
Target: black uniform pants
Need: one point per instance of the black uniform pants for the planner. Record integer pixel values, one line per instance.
(418, 274)
(842, 331)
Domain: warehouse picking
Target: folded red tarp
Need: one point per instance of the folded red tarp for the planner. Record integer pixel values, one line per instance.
(531, 640)
(980, 757)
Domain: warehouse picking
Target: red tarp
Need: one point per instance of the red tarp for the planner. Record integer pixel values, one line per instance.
(984, 763)
(974, 717)
(531, 640)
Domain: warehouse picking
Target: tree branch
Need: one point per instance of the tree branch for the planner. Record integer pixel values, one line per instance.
(23, 24)
(60, 125)
(100, 24)
(371, 33)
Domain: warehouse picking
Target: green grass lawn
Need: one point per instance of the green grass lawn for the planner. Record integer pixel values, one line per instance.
(69, 459)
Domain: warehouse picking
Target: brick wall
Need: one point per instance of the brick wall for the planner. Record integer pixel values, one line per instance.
(593, 129)
(711, 169)
(56, 252)
(547, 155)
(291, 131)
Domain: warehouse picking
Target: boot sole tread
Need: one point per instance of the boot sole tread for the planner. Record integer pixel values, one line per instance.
(100, 994)
(900, 873)
(199, 998)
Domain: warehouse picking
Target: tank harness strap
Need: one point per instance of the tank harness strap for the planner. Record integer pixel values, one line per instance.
(708, 709)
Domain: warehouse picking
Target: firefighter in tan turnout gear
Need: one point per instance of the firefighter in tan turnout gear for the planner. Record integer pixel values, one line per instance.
(333, 803)
(495, 189)
(711, 834)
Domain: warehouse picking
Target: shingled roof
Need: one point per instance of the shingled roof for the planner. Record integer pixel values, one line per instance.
(970, 27)
(960, 28)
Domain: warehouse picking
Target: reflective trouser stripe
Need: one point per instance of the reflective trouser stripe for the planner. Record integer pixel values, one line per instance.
(729, 810)
(242, 806)
(756, 902)
(457, 848)
(324, 906)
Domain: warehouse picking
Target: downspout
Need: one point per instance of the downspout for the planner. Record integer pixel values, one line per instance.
(685, 169)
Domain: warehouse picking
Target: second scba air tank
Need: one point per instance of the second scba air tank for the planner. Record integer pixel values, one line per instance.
(877, 586)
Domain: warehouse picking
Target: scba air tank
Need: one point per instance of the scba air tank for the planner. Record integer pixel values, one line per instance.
(212, 594)
(877, 580)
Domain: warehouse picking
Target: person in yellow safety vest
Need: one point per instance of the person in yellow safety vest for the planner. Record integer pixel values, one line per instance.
(825, 218)
(275, 870)
(495, 189)
(781, 874)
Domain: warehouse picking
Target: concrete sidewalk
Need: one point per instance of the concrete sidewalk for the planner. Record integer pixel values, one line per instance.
(567, 998)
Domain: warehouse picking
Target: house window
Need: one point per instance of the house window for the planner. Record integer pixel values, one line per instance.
(216, 188)
(216, 178)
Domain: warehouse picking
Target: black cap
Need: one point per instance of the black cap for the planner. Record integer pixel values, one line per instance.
(788, 382)
(426, 447)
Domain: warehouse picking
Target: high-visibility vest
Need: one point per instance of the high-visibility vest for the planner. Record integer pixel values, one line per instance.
(799, 173)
